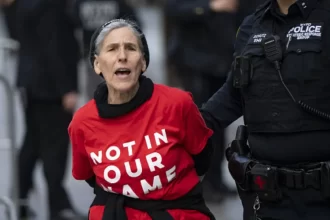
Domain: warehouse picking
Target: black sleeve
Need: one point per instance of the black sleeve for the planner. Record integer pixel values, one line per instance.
(202, 160)
(91, 181)
(225, 106)
(186, 10)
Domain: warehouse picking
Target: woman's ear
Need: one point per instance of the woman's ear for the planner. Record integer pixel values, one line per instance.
(144, 65)
(97, 68)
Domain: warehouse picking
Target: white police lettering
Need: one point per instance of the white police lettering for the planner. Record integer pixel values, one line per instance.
(258, 38)
(305, 31)
(95, 13)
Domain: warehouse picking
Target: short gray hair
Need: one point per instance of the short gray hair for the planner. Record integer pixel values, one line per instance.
(118, 23)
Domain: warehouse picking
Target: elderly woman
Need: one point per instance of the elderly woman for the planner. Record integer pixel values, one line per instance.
(142, 146)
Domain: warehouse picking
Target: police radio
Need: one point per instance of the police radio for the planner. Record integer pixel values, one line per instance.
(273, 52)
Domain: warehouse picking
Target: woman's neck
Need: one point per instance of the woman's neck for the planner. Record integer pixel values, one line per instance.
(284, 5)
(115, 97)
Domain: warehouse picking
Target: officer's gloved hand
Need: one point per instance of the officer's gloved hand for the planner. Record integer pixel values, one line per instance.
(238, 167)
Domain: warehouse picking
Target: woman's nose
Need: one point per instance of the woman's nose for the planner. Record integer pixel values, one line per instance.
(122, 55)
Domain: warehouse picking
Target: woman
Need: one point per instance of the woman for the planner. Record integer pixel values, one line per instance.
(140, 145)
(90, 15)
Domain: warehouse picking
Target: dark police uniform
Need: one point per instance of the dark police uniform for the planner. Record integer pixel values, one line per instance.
(285, 175)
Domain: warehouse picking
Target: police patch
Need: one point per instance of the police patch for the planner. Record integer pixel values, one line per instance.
(306, 31)
(257, 38)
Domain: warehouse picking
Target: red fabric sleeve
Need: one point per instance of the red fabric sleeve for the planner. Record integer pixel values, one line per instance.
(196, 133)
(81, 168)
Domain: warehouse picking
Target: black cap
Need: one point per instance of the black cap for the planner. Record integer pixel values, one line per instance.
(92, 50)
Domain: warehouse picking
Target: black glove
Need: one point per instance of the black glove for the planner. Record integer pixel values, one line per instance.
(238, 167)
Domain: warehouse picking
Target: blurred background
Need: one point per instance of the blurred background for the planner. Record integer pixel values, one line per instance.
(43, 65)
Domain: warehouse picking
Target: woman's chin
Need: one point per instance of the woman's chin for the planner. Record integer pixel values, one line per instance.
(124, 87)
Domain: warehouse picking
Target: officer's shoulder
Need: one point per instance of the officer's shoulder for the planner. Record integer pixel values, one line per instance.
(263, 7)
(260, 10)
(249, 20)
(245, 29)
(252, 18)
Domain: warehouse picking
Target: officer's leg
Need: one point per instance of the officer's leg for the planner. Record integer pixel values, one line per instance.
(28, 156)
(263, 211)
(295, 204)
(54, 153)
(247, 200)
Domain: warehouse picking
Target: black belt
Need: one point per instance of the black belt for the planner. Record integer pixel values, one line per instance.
(300, 179)
(115, 204)
(268, 179)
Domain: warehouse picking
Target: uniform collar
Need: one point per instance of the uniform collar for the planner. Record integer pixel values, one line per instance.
(304, 7)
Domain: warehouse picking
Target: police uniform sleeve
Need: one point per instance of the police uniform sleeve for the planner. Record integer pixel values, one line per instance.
(225, 106)
(195, 133)
(81, 168)
(185, 10)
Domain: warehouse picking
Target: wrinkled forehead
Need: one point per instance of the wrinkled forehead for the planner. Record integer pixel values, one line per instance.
(121, 35)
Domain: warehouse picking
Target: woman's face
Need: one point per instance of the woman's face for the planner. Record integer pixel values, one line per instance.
(120, 60)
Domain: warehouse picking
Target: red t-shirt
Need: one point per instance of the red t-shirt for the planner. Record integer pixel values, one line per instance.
(144, 154)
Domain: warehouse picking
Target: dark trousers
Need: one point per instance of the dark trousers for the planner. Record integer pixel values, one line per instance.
(203, 86)
(307, 204)
(46, 140)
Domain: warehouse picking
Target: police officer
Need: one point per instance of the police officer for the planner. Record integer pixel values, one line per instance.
(280, 82)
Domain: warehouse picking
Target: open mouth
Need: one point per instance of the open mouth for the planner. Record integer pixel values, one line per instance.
(122, 72)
